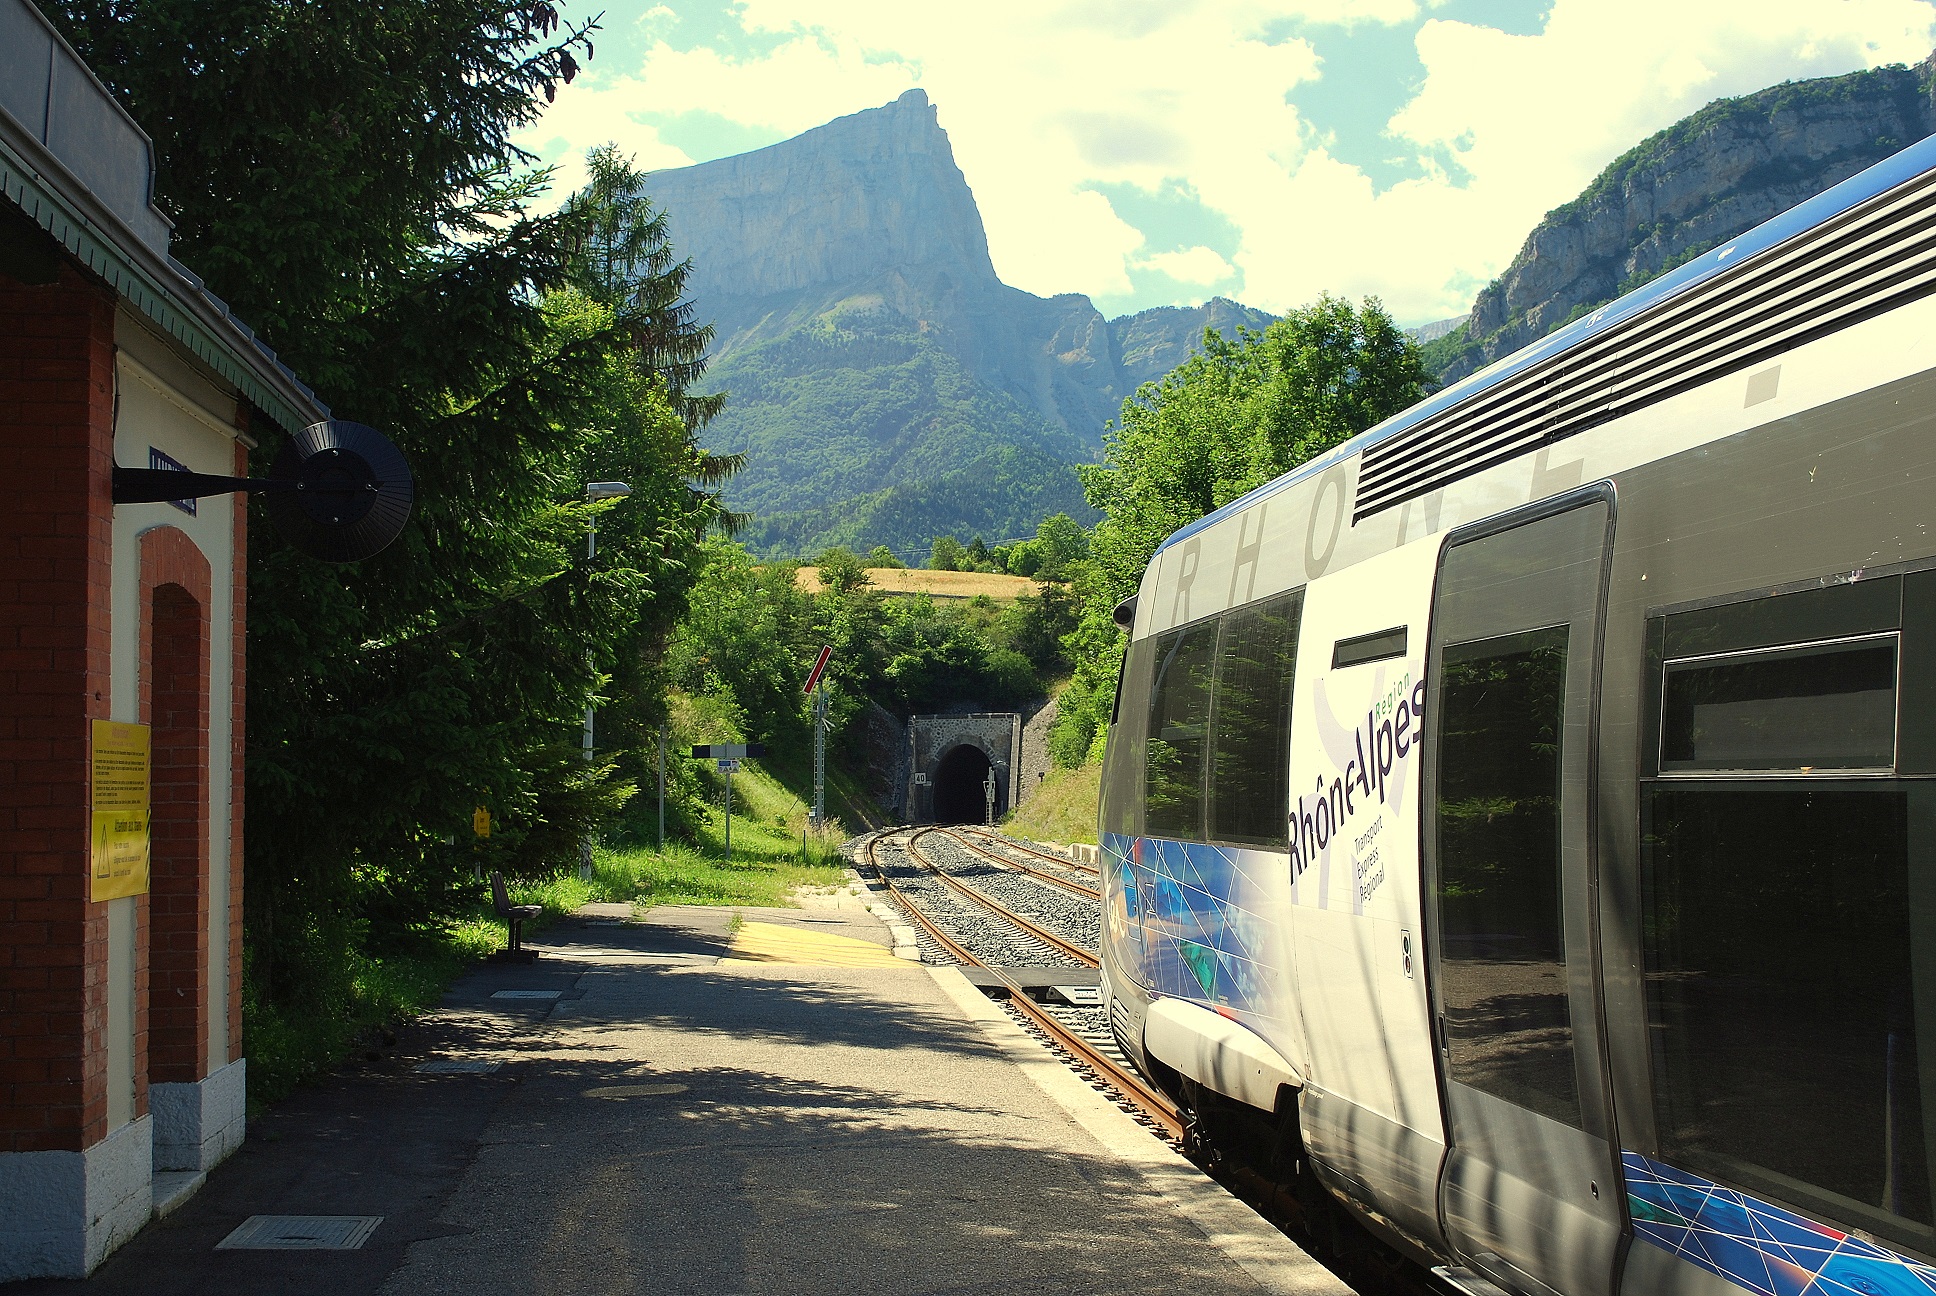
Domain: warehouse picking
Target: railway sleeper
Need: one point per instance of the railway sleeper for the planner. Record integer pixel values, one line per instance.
(1077, 987)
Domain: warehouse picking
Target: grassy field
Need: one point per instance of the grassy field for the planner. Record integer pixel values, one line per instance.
(1063, 809)
(939, 584)
(773, 852)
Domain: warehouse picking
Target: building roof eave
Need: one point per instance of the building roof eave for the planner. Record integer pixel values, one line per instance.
(155, 286)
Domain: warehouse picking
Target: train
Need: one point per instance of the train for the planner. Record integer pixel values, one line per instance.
(1511, 819)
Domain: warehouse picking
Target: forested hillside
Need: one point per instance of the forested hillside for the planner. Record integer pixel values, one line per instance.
(909, 444)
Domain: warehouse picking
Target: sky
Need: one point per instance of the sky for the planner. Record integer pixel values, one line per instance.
(1160, 152)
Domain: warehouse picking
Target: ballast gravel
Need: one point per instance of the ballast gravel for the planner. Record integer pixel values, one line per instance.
(987, 935)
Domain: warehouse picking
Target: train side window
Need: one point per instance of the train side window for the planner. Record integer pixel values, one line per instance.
(1812, 707)
(1503, 962)
(1251, 723)
(1123, 766)
(1179, 723)
(1788, 879)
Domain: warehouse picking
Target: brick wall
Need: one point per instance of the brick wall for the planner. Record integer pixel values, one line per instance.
(56, 455)
(176, 584)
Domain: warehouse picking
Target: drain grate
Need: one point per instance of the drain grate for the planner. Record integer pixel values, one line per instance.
(301, 1233)
(634, 1090)
(454, 1066)
(527, 994)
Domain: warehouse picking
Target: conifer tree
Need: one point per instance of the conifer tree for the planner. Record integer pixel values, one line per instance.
(343, 176)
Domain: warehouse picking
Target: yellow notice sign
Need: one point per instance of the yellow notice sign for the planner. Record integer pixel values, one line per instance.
(481, 822)
(120, 856)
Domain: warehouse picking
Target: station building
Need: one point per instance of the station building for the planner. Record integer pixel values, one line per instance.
(122, 1079)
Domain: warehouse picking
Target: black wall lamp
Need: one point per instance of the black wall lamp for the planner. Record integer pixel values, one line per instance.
(339, 491)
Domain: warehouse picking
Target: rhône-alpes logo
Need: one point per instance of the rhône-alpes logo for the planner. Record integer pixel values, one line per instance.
(1369, 766)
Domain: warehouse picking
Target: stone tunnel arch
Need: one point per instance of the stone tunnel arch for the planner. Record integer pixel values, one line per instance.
(944, 785)
(959, 777)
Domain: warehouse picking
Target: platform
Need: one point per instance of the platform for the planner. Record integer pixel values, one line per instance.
(714, 1101)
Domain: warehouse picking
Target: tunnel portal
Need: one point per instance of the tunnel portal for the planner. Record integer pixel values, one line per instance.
(959, 795)
(948, 758)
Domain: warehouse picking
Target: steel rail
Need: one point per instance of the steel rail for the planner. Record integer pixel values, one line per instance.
(1075, 865)
(1033, 929)
(1040, 875)
(1132, 1086)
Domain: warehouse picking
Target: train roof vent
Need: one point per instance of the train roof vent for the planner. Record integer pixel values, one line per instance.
(1871, 259)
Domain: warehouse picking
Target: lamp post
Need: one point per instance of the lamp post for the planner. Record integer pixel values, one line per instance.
(594, 492)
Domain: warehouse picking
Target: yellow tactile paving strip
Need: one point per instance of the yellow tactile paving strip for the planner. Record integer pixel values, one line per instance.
(758, 942)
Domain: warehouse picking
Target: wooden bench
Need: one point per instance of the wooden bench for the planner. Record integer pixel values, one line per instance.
(514, 917)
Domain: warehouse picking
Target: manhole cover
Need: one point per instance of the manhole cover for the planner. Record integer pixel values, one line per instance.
(634, 1091)
(456, 1066)
(527, 994)
(301, 1233)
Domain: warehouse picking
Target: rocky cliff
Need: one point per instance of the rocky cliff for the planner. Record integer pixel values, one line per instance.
(1700, 182)
(1151, 343)
(870, 211)
(867, 345)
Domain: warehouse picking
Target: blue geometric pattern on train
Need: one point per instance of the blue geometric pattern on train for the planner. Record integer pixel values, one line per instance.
(1203, 933)
(1758, 1246)
(1120, 903)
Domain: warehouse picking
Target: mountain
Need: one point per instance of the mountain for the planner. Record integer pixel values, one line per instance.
(858, 411)
(1151, 343)
(1692, 187)
(880, 376)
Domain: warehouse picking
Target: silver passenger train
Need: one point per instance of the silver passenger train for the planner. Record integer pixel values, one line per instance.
(1526, 813)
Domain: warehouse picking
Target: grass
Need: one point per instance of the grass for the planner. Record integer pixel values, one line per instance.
(1063, 809)
(773, 853)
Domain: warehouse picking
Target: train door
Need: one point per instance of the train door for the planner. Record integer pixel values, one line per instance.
(1529, 1194)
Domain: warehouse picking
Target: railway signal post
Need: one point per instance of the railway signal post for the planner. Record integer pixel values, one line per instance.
(819, 695)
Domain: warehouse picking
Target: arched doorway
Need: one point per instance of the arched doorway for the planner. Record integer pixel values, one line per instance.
(177, 679)
(958, 780)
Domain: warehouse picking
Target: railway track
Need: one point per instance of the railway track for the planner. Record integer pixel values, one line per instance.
(1061, 881)
(1036, 931)
(1090, 1055)
(1023, 848)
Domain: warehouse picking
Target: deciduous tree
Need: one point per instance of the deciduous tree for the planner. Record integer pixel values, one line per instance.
(1236, 414)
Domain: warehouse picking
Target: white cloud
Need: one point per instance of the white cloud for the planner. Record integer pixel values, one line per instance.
(1532, 119)
(1198, 265)
(596, 109)
(1045, 100)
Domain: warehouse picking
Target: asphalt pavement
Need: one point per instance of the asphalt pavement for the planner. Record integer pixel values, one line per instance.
(716, 1101)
